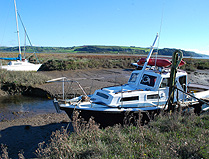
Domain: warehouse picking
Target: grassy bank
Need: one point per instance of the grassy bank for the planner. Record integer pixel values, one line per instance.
(73, 62)
(168, 136)
(15, 82)
(88, 62)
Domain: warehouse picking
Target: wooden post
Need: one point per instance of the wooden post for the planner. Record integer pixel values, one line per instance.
(176, 59)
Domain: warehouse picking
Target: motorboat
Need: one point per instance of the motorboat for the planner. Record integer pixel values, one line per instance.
(146, 92)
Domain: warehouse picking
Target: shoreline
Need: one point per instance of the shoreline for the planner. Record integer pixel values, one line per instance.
(36, 120)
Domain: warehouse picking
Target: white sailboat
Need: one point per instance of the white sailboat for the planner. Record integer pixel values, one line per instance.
(19, 63)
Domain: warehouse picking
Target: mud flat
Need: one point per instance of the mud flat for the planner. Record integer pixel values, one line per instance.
(24, 134)
(199, 77)
(94, 79)
(90, 80)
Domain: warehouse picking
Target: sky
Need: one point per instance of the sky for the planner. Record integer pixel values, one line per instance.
(181, 24)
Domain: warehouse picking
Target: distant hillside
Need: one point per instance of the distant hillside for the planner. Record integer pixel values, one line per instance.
(99, 50)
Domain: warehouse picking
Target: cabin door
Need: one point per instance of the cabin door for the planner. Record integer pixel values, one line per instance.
(163, 95)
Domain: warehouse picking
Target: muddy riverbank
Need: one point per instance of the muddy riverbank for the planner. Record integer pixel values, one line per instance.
(94, 79)
(90, 80)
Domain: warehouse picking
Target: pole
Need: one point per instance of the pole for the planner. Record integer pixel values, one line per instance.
(18, 36)
(176, 59)
(63, 88)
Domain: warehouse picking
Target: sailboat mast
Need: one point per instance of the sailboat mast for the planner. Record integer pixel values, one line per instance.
(17, 30)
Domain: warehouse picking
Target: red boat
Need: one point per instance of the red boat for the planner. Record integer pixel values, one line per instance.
(158, 62)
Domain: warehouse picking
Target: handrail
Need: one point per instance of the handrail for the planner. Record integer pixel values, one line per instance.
(64, 79)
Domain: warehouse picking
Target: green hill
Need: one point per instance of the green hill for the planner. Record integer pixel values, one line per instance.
(99, 50)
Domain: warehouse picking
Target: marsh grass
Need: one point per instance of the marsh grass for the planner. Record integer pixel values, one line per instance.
(77, 61)
(168, 136)
(74, 63)
(15, 82)
(22, 78)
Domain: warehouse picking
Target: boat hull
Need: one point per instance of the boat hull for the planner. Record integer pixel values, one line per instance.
(158, 62)
(21, 66)
(108, 117)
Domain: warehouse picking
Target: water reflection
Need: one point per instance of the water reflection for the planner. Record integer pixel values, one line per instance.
(12, 107)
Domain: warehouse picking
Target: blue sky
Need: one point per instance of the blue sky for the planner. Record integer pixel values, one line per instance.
(185, 23)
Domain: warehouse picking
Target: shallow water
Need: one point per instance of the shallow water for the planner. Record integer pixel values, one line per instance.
(13, 107)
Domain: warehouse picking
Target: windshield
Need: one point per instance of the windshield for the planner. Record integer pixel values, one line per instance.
(148, 80)
(133, 77)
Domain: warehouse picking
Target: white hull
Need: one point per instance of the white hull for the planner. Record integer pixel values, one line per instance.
(21, 66)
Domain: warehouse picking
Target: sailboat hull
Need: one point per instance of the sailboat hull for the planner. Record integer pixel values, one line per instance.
(21, 66)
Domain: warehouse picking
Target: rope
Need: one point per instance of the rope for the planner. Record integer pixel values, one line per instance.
(161, 22)
(28, 38)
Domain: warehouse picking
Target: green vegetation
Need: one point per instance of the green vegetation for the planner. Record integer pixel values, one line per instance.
(194, 64)
(168, 136)
(85, 62)
(96, 49)
(14, 82)
(22, 78)
(73, 62)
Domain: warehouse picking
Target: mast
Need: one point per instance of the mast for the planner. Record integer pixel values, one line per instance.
(18, 36)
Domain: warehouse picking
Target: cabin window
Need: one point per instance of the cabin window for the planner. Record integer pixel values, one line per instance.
(125, 99)
(148, 80)
(153, 96)
(165, 82)
(102, 95)
(182, 81)
(133, 77)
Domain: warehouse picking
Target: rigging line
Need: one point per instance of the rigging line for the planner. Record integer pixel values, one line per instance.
(28, 38)
(161, 22)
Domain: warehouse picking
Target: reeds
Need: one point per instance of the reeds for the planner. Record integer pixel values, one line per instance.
(15, 82)
(22, 78)
(168, 136)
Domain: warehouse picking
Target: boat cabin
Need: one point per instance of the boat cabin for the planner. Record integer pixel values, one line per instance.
(150, 88)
